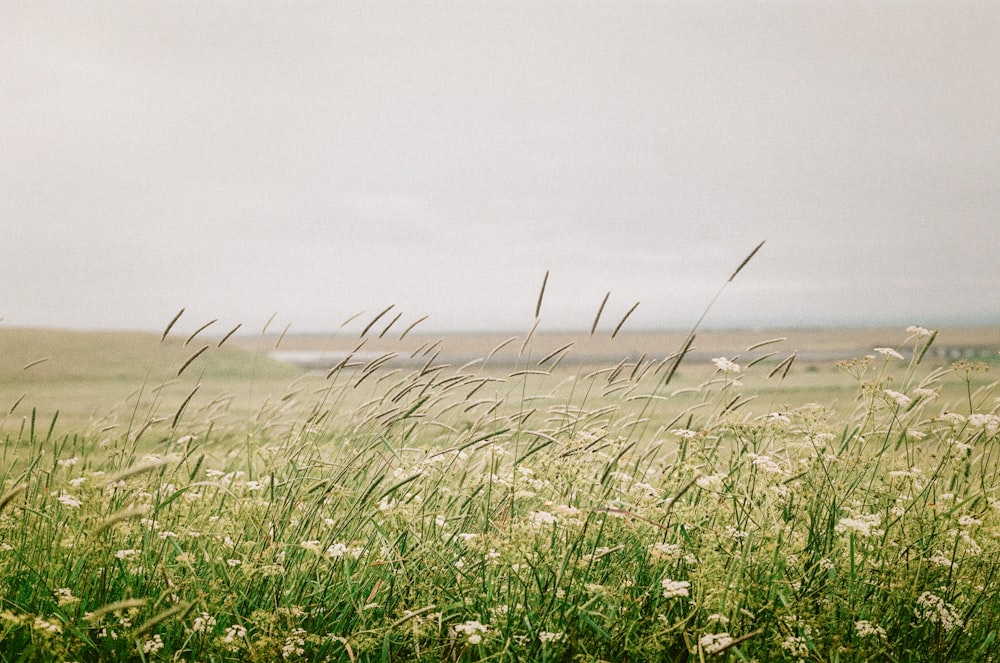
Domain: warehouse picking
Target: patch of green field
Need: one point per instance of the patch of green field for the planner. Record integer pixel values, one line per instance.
(517, 511)
(90, 380)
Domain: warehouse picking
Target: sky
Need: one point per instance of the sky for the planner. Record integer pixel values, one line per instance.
(301, 162)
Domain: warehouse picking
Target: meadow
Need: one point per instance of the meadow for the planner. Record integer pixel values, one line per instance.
(593, 497)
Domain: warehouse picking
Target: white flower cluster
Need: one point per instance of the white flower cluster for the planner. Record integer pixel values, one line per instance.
(715, 642)
(902, 400)
(726, 365)
(865, 629)
(152, 645)
(888, 353)
(294, 644)
(934, 609)
(675, 588)
(864, 525)
(472, 630)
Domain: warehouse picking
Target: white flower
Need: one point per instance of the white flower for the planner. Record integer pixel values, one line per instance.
(542, 518)
(933, 608)
(726, 365)
(865, 628)
(711, 482)
(153, 645)
(864, 525)
(969, 521)
(472, 630)
(64, 596)
(666, 551)
(674, 588)
(234, 633)
(234, 562)
(888, 353)
(203, 623)
(714, 642)
(765, 463)
(126, 554)
(918, 332)
(311, 545)
(796, 646)
(684, 433)
(69, 500)
(68, 462)
(901, 399)
(547, 636)
(294, 644)
(338, 550)
(46, 627)
(989, 421)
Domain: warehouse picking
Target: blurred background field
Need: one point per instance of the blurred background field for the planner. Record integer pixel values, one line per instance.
(113, 381)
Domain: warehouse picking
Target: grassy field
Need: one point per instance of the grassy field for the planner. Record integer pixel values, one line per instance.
(800, 495)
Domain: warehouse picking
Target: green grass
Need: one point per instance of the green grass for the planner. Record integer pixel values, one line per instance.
(536, 514)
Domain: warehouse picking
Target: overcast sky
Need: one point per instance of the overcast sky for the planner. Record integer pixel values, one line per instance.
(314, 160)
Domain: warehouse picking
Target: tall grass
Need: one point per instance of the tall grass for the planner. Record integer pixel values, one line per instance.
(432, 512)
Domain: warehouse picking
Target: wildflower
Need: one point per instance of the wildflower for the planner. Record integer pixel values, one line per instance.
(153, 645)
(548, 636)
(941, 560)
(736, 534)
(69, 500)
(796, 646)
(126, 554)
(918, 332)
(674, 588)
(953, 418)
(77, 481)
(684, 433)
(46, 627)
(440, 520)
(926, 394)
(765, 463)
(715, 642)
(542, 518)
(863, 526)
(68, 462)
(234, 562)
(203, 623)
(969, 521)
(472, 630)
(294, 644)
(167, 534)
(888, 353)
(960, 447)
(64, 596)
(901, 399)
(233, 634)
(865, 629)
(711, 482)
(717, 618)
(338, 550)
(988, 421)
(665, 551)
(725, 365)
(310, 545)
(936, 610)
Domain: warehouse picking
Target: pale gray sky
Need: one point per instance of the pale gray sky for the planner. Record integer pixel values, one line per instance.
(312, 160)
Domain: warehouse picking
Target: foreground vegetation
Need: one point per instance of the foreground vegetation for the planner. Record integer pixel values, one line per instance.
(442, 513)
